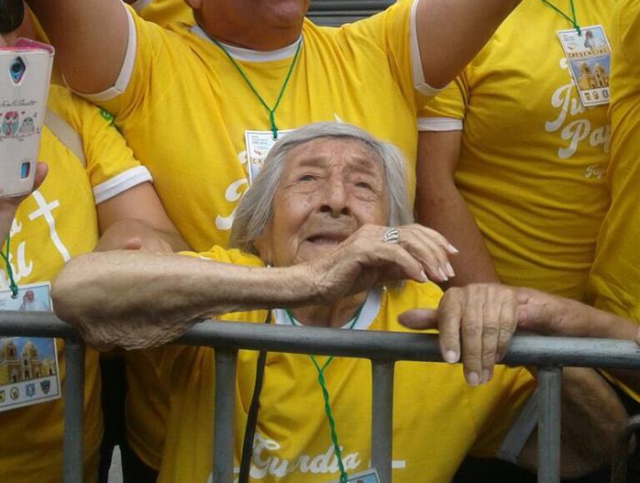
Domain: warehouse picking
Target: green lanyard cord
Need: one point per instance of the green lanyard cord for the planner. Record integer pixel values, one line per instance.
(571, 19)
(344, 477)
(5, 256)
(271, 111)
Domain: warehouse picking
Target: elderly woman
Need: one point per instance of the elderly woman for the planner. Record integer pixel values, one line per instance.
(314, 244)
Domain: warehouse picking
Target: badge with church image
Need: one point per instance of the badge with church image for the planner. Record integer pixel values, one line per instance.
(369, 476)
(589, 57)
(29, 371)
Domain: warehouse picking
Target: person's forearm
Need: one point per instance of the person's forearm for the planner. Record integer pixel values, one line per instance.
(138, 234)
(451, 32)
(447, 212)
(140, 286)
(440, 206)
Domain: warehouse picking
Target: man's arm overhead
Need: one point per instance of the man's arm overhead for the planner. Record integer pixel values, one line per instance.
(90, 37)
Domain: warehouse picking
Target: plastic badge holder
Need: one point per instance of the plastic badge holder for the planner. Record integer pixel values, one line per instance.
(25, 73)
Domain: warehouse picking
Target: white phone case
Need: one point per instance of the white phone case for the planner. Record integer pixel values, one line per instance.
(25, 72)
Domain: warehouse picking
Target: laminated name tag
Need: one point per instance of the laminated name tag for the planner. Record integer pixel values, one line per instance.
(258, 145)
(25, 70)
(28, 365)
(369, 476)
(589, 57)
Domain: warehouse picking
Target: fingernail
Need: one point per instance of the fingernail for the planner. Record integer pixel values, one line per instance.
(486, 376)
(473, 379)
(452, 249)
(423, 277)
(451, 357)
(442, 274)
(449, 270)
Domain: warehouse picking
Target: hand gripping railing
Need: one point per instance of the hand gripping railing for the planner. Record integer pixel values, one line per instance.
(550, 354)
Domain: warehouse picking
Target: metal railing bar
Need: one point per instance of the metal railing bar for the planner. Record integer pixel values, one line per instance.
(549, 414)
(34, 324)
(382, 417)
(523, 351)
(223, 437)
(74, 351)
(621, 455)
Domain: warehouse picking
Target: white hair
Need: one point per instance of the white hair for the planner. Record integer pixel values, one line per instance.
(254, 210)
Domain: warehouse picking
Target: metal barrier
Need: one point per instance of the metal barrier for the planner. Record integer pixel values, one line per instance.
(337, 12)
(550, 354)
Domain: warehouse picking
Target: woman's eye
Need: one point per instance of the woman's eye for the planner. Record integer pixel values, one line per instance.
(307, 177)
(363, 184)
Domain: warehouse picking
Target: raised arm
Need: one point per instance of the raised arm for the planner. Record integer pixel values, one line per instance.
(90, 37)
(440, 206)
(451, 32)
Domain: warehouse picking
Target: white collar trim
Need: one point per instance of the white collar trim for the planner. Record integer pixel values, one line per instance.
(367, 316)
(249, 55)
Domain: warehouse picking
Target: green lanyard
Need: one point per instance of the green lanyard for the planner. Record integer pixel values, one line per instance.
(325, 395)
(5, 256)
(271, 111)
(572, 20)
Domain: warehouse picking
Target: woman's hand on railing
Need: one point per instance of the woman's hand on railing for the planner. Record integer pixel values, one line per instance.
(476, 324)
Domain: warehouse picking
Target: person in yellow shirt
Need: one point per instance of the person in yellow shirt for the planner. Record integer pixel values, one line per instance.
(513, 164)
(96, 186)
(200, 105)
(615, 275)
(163, 12)
(323, 231)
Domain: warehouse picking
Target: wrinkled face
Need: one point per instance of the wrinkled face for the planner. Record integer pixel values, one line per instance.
(329, 188)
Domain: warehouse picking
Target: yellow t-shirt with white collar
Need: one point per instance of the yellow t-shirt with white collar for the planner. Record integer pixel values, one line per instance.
(57, 222)
(184, 108)
(438, 418)
(533, 160)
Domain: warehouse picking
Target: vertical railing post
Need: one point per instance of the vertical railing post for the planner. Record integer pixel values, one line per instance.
(549, 389)
(621, 455)
(382, 417)
(223, 448)
(73, 391)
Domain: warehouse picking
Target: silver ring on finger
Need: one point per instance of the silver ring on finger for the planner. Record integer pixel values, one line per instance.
(391, 236)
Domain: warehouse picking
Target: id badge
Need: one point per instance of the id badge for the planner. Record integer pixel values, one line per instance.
(589, 57)
(369, 476)
(28, 365)
(258, 145)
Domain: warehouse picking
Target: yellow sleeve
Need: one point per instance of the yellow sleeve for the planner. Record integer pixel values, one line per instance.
(222, 255)
(390, 31)
(111, 166)
(153, 61)
(164, 12)
(445, 111)
(499, 403)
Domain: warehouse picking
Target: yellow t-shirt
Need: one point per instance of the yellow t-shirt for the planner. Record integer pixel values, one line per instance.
(438, 418)
(164, 12)
(55, 223)
(533, 160)
(184, 108)
(615, 277)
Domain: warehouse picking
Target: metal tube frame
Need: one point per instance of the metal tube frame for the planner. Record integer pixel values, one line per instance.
(382, 348)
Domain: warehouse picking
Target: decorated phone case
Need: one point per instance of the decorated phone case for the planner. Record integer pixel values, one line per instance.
(25, 72)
